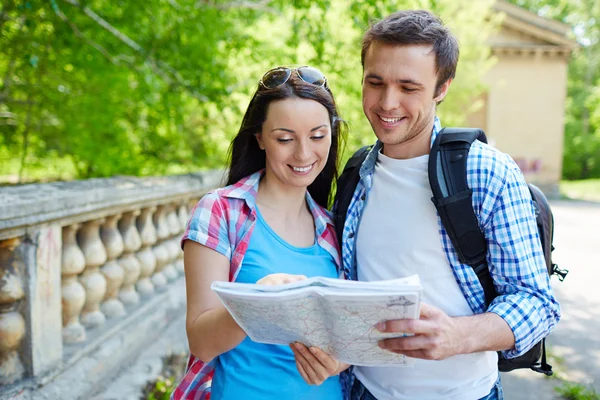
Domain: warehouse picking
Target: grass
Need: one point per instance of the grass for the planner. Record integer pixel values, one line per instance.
(567, 389)
(587, 189)
(173, 370)
(577, 391)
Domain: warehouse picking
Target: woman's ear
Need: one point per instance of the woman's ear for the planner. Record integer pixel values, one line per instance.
(258, 137)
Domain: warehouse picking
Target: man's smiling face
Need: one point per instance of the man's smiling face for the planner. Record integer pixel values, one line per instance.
(399, 95)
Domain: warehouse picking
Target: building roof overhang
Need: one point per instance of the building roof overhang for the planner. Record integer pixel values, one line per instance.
(551, 37)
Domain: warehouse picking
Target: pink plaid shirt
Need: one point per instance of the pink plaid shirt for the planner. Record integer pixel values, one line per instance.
(224, 220)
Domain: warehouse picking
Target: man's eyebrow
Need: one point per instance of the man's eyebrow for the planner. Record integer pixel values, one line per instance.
(403, 81)
(373, 76)
(410, 82)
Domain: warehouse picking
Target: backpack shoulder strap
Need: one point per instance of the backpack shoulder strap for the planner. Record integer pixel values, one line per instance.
(346, 184)
(452, 198)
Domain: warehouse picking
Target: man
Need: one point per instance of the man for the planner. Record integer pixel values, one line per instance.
(392, 229)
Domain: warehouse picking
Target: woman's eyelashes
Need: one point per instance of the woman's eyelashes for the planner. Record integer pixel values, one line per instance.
(319, 136)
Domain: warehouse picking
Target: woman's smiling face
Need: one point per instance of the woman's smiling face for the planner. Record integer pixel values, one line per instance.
(296, 138)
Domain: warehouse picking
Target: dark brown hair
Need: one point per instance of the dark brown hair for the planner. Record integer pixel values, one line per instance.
(417, 27)
(246, 157)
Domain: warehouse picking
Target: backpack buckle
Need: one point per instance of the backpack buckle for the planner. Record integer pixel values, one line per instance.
(543, 369)
(561, 273)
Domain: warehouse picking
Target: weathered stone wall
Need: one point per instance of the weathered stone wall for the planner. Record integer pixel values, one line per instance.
(90, 272)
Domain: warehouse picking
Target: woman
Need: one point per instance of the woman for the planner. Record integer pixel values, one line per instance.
(269, 225)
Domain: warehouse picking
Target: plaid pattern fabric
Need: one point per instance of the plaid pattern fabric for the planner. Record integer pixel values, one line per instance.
(505, 212)
(224, 220)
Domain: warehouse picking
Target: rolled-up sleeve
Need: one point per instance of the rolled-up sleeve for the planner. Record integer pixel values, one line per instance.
(517, 265)
(208, 225)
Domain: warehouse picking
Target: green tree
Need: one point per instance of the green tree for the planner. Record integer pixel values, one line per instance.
(160, 86)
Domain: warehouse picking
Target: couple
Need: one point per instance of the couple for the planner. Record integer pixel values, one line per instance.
(270, 226)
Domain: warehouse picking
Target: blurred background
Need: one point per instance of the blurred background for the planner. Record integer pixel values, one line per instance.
(141, 92)
(97, 89)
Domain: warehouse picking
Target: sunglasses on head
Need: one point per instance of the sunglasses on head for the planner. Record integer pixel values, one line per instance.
(280, 75)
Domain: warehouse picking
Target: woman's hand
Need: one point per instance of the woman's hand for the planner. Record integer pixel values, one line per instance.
(279, 279)
(314, 364)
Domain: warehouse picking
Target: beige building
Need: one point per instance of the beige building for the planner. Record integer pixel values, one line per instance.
(524, 107)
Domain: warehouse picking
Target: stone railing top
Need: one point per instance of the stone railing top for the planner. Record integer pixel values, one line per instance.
(29, 205)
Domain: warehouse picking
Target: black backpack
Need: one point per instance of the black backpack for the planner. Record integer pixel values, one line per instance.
(452, 199)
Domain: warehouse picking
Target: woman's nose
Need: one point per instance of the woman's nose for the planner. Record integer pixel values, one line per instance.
(302, 151)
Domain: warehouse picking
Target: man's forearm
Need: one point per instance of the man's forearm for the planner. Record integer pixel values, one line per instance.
(485, 332)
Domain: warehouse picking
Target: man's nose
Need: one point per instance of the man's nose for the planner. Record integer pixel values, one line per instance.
(389, 99)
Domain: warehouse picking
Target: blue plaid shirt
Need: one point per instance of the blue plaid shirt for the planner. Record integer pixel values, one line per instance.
(506, 215)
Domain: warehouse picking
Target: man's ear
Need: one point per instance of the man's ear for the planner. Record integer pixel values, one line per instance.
(258, 137)
(443, 91)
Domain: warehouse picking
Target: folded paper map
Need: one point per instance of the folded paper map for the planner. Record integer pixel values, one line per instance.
(335, 315)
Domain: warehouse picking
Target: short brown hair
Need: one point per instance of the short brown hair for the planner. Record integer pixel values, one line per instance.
(417, 27)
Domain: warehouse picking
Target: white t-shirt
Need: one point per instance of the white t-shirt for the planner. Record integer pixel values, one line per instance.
(399, 236)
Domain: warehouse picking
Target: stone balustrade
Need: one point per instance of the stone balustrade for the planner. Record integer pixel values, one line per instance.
(80, 260)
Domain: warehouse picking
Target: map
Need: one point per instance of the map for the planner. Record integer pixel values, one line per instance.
(338, 317)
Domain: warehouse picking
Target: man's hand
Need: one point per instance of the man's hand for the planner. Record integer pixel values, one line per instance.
(436, 335)
(279, 279)
(314, 364)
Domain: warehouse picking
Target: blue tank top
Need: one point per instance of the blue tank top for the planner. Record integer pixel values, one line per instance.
(257, 371)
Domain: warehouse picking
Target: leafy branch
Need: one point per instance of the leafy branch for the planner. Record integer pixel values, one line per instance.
(167, 73)
(252, 5)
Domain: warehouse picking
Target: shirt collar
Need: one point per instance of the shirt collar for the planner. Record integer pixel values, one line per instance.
(247, 188)
(369, 163)
(437, 127)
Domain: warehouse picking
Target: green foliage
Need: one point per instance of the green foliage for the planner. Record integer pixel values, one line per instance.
(586, 189)
(566, 389)
(582, 119)
(163, 387)
(174, 366)
(577, 391)
(160, 86)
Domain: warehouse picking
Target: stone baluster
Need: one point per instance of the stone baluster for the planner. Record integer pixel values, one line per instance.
(113, 272)
(191, 203)
(72, 292)
(160, 251)
(145, 255)
(182, 215)
(12, 323)
(173, 241)
(92, 280)
(130, 263)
